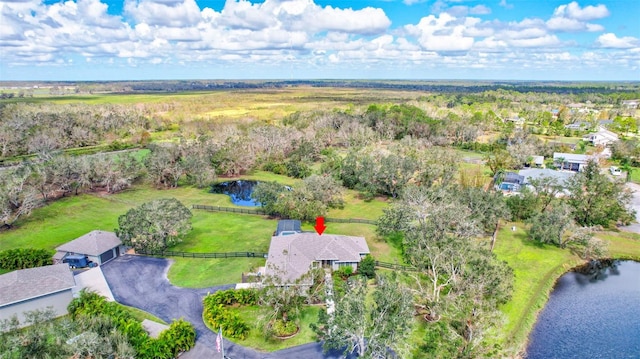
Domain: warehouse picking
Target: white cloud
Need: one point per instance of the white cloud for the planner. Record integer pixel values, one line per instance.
(573, 18)
(505, 5)
(163, 13)
(461, 10)
(443, 34)
(574, 11)
(542, 41)
(295, 33)
(610, 40)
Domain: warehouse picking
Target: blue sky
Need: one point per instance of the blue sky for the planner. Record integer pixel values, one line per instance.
(313, 39)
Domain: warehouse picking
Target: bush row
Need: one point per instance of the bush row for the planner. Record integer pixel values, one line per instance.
(20, 258)
(216, 314)
(179, 337)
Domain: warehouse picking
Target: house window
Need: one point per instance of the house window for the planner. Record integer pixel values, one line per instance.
(344, 264)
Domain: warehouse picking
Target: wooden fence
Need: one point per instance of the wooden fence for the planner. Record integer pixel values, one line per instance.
(262, 212)
(203, 255)
(394, 266)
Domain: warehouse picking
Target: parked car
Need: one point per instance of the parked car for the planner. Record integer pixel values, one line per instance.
(615, 171)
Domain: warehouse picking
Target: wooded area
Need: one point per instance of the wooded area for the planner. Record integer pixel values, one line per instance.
(433, 152)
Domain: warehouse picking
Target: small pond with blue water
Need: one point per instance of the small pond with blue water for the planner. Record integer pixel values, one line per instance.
(240, 192)
(591, 315)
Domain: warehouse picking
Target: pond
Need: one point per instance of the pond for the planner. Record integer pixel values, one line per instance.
(239, 191)
(593, 315)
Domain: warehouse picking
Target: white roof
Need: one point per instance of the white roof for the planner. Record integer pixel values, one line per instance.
(572, 157)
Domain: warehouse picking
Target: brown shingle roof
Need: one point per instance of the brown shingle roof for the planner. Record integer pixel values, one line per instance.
(293, 254)
(93, 243)
(29, 283)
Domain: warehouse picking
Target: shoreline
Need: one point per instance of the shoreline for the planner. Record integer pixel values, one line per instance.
(521, 348)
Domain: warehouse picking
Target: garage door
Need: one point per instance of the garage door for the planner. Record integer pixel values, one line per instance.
(106, 256)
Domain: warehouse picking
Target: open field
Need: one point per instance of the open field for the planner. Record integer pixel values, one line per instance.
(71, 217)
(262, 104)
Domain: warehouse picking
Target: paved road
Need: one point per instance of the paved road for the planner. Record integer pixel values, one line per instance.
(635, 205)
(142, 282)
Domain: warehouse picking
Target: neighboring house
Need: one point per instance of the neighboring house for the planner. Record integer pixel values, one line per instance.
(601, 138)
(291, 256)
(538, 161)
(580, 125)
(561, 177)
(511, 182)
(287, 227)
(571, 161)
(36, 288)
(631, 103)
(99, 246)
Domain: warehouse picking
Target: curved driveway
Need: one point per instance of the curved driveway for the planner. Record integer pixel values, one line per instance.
(142, 282)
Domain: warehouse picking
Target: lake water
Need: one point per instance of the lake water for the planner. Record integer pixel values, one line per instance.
(239, 191)
(591, 316)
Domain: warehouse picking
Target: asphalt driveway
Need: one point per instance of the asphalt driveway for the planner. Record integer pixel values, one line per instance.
(142, 282)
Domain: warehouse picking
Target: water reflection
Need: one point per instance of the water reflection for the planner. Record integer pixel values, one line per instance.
(240, 192)
(592, 313)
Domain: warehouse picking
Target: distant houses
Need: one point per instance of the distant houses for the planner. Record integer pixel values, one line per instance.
(631, 104)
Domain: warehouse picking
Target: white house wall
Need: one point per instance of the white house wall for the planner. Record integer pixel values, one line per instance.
(58, 301)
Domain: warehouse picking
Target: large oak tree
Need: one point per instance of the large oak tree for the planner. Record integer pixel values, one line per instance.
(155, 225)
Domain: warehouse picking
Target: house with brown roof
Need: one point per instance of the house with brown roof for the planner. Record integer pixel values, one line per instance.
(292, 256)
(99, 246)
(36, 288)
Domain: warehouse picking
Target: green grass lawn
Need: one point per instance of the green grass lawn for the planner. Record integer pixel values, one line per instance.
(536, 268)
(622, 245)
(141, 315)
(68, 218)
(256, 340)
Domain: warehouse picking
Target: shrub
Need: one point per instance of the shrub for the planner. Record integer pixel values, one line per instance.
(281, 328)
(297, 169)
(217, 315)
(180, 336)
(367, 267)
(21, 258)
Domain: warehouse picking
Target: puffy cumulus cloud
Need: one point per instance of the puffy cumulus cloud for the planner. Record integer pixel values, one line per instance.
(444, 33)
(298, 33)
(573, 18)
(302, 15)
(368, 21)
(610, 40)
(178, 13)
(587, 13)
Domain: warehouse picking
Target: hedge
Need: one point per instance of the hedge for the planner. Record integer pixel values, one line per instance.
(180, 336)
